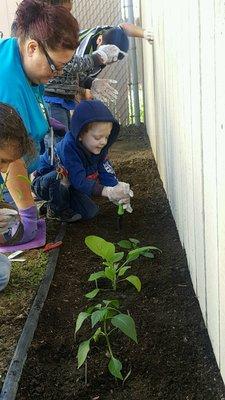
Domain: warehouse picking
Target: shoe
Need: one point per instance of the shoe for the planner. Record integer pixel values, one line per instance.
(67, 215)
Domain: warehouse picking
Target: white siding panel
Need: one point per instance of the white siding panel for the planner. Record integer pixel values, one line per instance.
(220, 138)
(188, 137)
(207, 23)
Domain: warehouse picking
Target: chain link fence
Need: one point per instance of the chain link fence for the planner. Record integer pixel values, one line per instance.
(90, 14)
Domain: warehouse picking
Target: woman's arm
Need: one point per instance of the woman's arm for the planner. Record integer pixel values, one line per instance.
(19, 189)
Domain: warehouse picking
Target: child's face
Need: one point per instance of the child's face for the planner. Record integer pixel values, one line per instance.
(7, 155)
(96, 137)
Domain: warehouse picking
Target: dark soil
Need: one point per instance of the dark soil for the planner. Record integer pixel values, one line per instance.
(174, 359)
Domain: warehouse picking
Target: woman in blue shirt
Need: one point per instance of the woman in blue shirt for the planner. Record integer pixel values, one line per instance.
(46, 39)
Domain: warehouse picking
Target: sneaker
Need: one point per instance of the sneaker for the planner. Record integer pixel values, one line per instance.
(67, 215)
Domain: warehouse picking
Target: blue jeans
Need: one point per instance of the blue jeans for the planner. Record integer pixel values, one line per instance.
(48, 187)
(61, 114)
(60, 198)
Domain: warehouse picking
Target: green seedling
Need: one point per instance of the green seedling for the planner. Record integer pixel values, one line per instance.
(107, 318)
(133, 244)
(116, 264)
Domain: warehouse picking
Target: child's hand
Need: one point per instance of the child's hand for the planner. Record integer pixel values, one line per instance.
(119, 194)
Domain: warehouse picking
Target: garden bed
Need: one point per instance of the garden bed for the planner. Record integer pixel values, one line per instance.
(173, 359)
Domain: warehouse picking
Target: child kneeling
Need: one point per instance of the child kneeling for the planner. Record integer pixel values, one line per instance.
(81, 167)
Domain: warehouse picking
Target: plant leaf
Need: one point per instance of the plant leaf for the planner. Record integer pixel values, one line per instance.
(123, 270)
(110, 273)
(97, 333)
(125, 244)
(134, 280)
(96, 276)
(92, 294)
(134, 241)
(141, 250)
(112, 303)
(148, 254)
(117, 257)
(100, 247)
(126, 324)
(131, 256)
(98, 316)
(115, 367)
(82, 353)
(80, 319)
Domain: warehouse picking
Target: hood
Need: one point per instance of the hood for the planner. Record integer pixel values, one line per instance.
(88, 111)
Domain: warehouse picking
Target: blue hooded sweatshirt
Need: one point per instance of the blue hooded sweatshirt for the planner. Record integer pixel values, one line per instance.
(87, 172)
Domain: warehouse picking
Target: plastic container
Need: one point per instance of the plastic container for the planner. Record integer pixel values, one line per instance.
(5, 268)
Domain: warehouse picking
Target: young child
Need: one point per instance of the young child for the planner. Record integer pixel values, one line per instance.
(81, 168)
(14, 143)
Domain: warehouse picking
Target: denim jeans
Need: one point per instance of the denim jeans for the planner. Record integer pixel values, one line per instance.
(48, 187)
(61, 114)
(60, 198)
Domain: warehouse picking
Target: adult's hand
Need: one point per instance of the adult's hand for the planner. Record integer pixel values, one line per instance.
(109, 53)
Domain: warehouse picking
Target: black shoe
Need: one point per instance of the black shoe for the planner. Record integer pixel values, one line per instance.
(67, 215)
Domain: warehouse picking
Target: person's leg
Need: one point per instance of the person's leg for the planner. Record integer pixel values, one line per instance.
(48, 187)
(82, 204)
(61, 114)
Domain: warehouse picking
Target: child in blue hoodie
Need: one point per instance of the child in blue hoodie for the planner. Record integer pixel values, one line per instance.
(81, 168)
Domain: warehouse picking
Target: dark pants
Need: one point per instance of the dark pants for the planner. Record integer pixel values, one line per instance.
(60, 198)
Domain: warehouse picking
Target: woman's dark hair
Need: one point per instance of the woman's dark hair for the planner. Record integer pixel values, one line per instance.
(13, 133)
(54, 27)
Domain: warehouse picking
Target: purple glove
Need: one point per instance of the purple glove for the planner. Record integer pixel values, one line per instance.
(58, 127)
(28, 218)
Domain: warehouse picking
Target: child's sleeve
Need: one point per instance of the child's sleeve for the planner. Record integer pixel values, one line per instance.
(77, 176)
(107, 176)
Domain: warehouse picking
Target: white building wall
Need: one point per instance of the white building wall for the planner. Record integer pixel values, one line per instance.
(184, 80)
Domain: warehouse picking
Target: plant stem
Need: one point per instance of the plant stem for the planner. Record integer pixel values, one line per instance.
(107, 339)
(85, 373)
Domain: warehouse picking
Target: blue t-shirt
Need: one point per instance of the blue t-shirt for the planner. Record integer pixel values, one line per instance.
(17, 91)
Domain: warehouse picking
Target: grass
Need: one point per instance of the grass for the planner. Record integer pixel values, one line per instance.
(15, 302)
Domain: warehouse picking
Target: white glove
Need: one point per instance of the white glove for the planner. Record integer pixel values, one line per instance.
(119, 194)
(101, 89)
(148, 35)
(109, 53)
(8, 218)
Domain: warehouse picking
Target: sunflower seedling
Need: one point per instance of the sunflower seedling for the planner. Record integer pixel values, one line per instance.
(107, 318)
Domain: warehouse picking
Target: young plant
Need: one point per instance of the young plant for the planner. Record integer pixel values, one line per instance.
(116, 263)
(133, 244)
(106, 316)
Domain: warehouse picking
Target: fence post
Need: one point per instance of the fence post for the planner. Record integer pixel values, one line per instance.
(128, 4)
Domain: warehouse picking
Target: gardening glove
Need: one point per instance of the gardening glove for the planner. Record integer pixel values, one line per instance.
(28, 217)
(8, 219)
(102, 89)
(148, 35)
(119, 194)
(109, 53)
